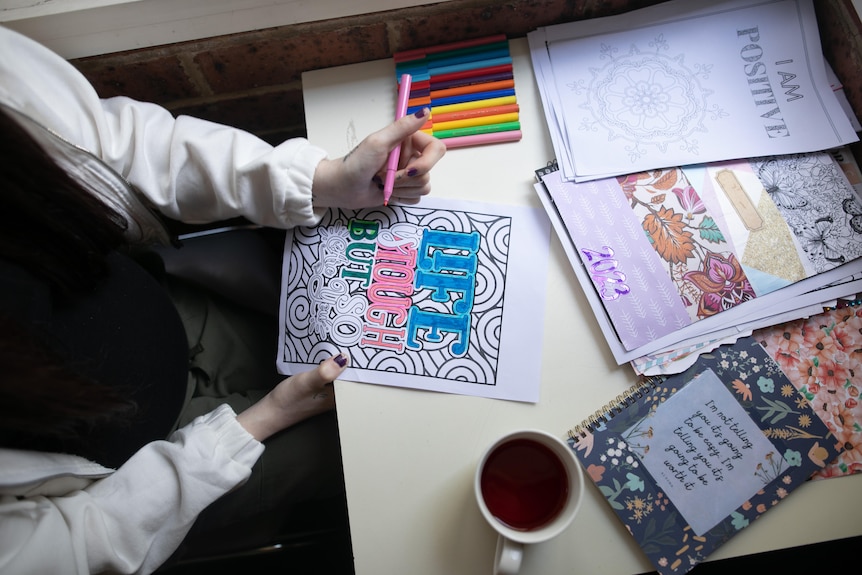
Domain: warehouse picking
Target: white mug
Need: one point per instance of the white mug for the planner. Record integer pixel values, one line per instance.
(529, 486)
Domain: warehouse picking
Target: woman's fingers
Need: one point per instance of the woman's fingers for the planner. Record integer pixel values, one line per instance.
(419, 153)
(356, 181)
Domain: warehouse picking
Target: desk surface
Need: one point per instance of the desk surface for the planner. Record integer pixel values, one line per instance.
(409, 456)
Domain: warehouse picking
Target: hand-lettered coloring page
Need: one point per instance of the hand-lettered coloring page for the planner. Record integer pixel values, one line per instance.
(711, 82)
(446, 296)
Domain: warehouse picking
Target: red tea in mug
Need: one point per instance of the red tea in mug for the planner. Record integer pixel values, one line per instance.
(524, 484)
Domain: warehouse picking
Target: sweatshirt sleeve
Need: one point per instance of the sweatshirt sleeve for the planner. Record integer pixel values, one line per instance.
(132, 520)
(190, 169)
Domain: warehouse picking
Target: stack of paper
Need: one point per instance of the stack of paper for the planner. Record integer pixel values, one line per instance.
(759, 225)
(684, 83)
(672, 265)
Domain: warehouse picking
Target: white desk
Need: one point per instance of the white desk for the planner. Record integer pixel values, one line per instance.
(409, 456)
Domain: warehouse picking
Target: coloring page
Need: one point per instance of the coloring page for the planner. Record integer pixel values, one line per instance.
(715, 81)
(818, 203)
(445, 296)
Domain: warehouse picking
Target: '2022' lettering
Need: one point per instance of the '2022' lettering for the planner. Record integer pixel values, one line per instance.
(609, 280)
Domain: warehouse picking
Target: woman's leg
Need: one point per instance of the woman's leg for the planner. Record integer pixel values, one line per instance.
(232, 360)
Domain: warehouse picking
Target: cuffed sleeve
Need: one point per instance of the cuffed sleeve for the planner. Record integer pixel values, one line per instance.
(132, 520)
(189, 169)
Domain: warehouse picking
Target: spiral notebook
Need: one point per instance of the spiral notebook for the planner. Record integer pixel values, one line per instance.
(689, 461)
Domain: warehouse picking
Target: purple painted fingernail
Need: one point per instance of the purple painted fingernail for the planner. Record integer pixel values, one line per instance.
(340, 360)
(421, 113)
(412, 172)
(376, 179)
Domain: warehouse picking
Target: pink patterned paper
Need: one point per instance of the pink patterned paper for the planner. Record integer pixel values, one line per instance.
(822, 357)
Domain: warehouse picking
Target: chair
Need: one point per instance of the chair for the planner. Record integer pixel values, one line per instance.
(316, 540)
(241, 262)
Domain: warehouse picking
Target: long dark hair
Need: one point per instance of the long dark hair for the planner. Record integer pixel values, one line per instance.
(55, 230)
(49, 224)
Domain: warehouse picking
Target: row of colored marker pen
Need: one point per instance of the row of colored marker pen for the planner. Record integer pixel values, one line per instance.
(470, 88)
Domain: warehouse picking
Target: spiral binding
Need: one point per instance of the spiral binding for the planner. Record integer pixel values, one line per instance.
(610, 410)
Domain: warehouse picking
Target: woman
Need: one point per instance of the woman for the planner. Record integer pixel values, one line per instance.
(104, 463)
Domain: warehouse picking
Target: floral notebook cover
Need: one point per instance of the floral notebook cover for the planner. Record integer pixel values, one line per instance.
(688, 461)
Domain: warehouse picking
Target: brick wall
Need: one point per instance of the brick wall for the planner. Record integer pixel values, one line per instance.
(253, 80)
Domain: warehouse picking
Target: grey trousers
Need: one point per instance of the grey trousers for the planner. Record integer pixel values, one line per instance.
(232, 353)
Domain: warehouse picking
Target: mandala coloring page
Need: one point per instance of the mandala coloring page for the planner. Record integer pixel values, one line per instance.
(650, 99)
(706, 83)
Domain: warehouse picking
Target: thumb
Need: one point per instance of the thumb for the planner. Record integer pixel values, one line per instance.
(329, 369)
(402, 128)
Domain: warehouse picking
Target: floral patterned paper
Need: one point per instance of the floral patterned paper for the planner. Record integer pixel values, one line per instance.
(678, 225)
(822, 357)
(608, 449)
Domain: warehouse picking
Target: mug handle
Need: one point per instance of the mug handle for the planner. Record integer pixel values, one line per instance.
(508, 557)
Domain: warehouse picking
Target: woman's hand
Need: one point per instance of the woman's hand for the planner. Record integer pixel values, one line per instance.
(356, 180)
(296, 398)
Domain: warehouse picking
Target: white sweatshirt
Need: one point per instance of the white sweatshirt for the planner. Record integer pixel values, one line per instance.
(61, 513)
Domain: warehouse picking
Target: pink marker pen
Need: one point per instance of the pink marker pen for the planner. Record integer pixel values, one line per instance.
(395, 154)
